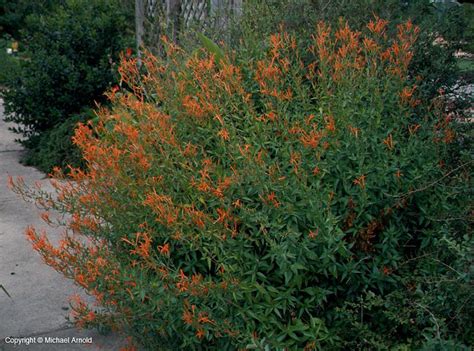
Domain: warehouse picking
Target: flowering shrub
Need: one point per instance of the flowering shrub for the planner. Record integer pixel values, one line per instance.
(276, 204)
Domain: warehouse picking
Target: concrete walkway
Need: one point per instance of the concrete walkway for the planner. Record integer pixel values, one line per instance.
(39, 306)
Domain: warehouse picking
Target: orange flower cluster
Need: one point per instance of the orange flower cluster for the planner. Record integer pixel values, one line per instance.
(349, 53)
(208, 185)
(87, 265)
(81, 312)
(406, 96)
(400, 53)
(271, 72)
(378, 26)
(141, 245)
(271, 199)
(443, 131)
(197, 321)
(360, 181)
(162, 205)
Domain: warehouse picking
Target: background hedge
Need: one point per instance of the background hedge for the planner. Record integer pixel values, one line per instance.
(69, 61)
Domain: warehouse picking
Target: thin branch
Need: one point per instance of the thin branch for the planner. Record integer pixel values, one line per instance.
(430, 184)
(449, 219)
(438, 334)
(459, 309)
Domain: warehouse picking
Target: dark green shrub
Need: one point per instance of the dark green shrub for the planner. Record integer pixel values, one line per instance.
(54, 147)
(272, 204)
(70, 63)
(13, 14)
(8, 66)
(468, 44)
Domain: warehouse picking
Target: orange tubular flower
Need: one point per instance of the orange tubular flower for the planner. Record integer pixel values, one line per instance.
(89, 317)
(313, 234)
(223, 215)
(378, 26)
(183, 284)
(45, 217)
(203, 319)
(224, 134)
(389, 142)
(197, 217)
(270, 116)
(330, 125)
(11, 183)
(370, 45)
(244, 151)
(141, 245)
(164, 249)
(322, 41)
(200, 333)
(309, 119)
(271, 198)
(354, 131)
(237, 203)
(39, 243)
(413, 128)
(162, 205)
(360, 181)
(407, 93)
(295, 161)
(80, 279)
(197, 109)
(188, 316)
(219, 118)
(311, 139)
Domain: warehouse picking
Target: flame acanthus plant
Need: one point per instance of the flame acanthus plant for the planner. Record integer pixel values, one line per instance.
(226, 202)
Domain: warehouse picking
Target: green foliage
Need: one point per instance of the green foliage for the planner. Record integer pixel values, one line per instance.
(54, 147)
(13, 14)
(272, 204)
(8, 65)
(468, 37)
(212, 47)
(466, 66)
(70, 63)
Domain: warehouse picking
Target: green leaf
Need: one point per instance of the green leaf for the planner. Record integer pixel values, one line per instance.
(212, 47)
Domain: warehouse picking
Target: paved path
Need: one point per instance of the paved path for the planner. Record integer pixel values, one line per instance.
(39, 305)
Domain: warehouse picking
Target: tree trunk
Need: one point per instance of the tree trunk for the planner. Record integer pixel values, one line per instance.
(173, 8)
(139, 29)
